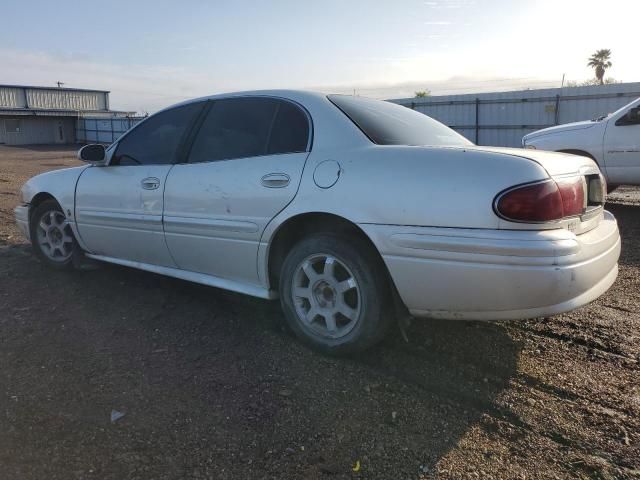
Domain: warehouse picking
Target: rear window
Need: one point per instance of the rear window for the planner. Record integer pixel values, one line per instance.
(387, 123)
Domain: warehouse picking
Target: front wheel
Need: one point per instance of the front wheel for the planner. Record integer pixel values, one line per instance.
(51, 235)
(335, 294)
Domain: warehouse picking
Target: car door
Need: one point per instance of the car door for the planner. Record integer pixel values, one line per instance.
(244, 166)
(119, 206)
(622, 147)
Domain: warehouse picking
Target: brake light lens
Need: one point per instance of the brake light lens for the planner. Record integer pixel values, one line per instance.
(572, 190)
(543, 201)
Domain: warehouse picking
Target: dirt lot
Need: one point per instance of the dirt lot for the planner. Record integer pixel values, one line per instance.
(211, 386)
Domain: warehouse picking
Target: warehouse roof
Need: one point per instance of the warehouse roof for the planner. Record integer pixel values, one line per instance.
(32, 87)
(64, 112)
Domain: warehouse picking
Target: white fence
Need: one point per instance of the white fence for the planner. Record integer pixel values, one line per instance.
(503, 118)
(103, 130)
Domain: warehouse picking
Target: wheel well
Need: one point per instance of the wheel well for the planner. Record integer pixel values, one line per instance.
(296, 228)
(578, 152)
(38, 199)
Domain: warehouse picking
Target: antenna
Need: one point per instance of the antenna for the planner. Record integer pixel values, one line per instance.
(60, 84)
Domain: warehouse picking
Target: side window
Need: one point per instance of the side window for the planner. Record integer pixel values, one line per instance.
(290, 131)
(632, 117)
(234, 128)
(250, 127)
(155, 141)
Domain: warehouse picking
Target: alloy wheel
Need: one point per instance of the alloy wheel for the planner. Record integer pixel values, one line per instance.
(326, 296)
(55, 236)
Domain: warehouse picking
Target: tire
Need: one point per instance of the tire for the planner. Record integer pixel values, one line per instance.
(52, 239)
(335, 294)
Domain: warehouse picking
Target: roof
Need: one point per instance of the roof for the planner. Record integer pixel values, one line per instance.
(33, 87)
(291, 94)
(47, 112)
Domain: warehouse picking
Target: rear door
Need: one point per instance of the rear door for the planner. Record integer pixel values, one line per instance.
(622, 149)
(119, 206)
(244, 167)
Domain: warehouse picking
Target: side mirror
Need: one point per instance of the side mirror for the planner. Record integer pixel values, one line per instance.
(94, 153)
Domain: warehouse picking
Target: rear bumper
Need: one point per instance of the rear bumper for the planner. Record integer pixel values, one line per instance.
(498, 274)
(22, 219)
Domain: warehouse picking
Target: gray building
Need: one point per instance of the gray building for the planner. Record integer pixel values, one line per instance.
(47, 115)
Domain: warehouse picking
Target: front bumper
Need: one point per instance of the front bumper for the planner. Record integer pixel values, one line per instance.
(472, 274)
(22, 219)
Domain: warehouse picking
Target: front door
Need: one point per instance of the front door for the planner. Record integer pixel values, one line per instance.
(58, 132)
(622, 149)
(244, 167)
(119, 206)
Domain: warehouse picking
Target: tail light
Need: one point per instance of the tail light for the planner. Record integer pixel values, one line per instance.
(543, 201)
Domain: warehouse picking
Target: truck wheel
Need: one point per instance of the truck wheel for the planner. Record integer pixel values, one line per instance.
(335, 294)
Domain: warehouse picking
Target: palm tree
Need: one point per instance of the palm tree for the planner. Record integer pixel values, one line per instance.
(600, 61)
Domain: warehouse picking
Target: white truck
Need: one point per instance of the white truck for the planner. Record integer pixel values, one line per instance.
(613, 141)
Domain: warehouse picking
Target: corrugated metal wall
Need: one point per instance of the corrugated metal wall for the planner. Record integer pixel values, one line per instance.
(66, 99)
(37, 130)
(52, 99)
(103, 130)
(12, 97)
(503, 118)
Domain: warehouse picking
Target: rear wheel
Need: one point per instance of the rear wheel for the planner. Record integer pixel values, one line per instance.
(334, 294)
(51, 235)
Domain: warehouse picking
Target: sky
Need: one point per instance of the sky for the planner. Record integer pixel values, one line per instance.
(151, 54)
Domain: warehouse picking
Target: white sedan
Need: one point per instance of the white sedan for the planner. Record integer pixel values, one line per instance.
(352, 211)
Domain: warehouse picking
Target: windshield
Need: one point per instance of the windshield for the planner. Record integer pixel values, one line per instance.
(387, 123)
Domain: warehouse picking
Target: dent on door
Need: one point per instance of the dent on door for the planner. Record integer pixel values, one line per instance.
(215, 212)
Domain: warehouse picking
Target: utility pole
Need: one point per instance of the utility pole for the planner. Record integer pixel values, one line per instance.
(562, 84)
(60, 84)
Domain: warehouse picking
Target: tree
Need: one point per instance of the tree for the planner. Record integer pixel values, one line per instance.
(590, 82)
(423, 93)
(600, 61)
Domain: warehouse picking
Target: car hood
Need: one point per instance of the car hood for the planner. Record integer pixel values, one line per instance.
(561, 128)
(553, 162)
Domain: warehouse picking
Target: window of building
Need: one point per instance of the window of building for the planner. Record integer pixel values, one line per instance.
(13, 125)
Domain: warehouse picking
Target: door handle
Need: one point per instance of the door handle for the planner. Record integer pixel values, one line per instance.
(275, 180)
(150, 183)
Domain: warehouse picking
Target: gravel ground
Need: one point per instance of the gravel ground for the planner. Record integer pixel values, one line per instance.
(211, 386)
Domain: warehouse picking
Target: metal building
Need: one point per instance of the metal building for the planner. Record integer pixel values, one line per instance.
(45, 115)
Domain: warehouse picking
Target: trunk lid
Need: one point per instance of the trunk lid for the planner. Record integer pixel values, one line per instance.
(553, 162)
(561, 166)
